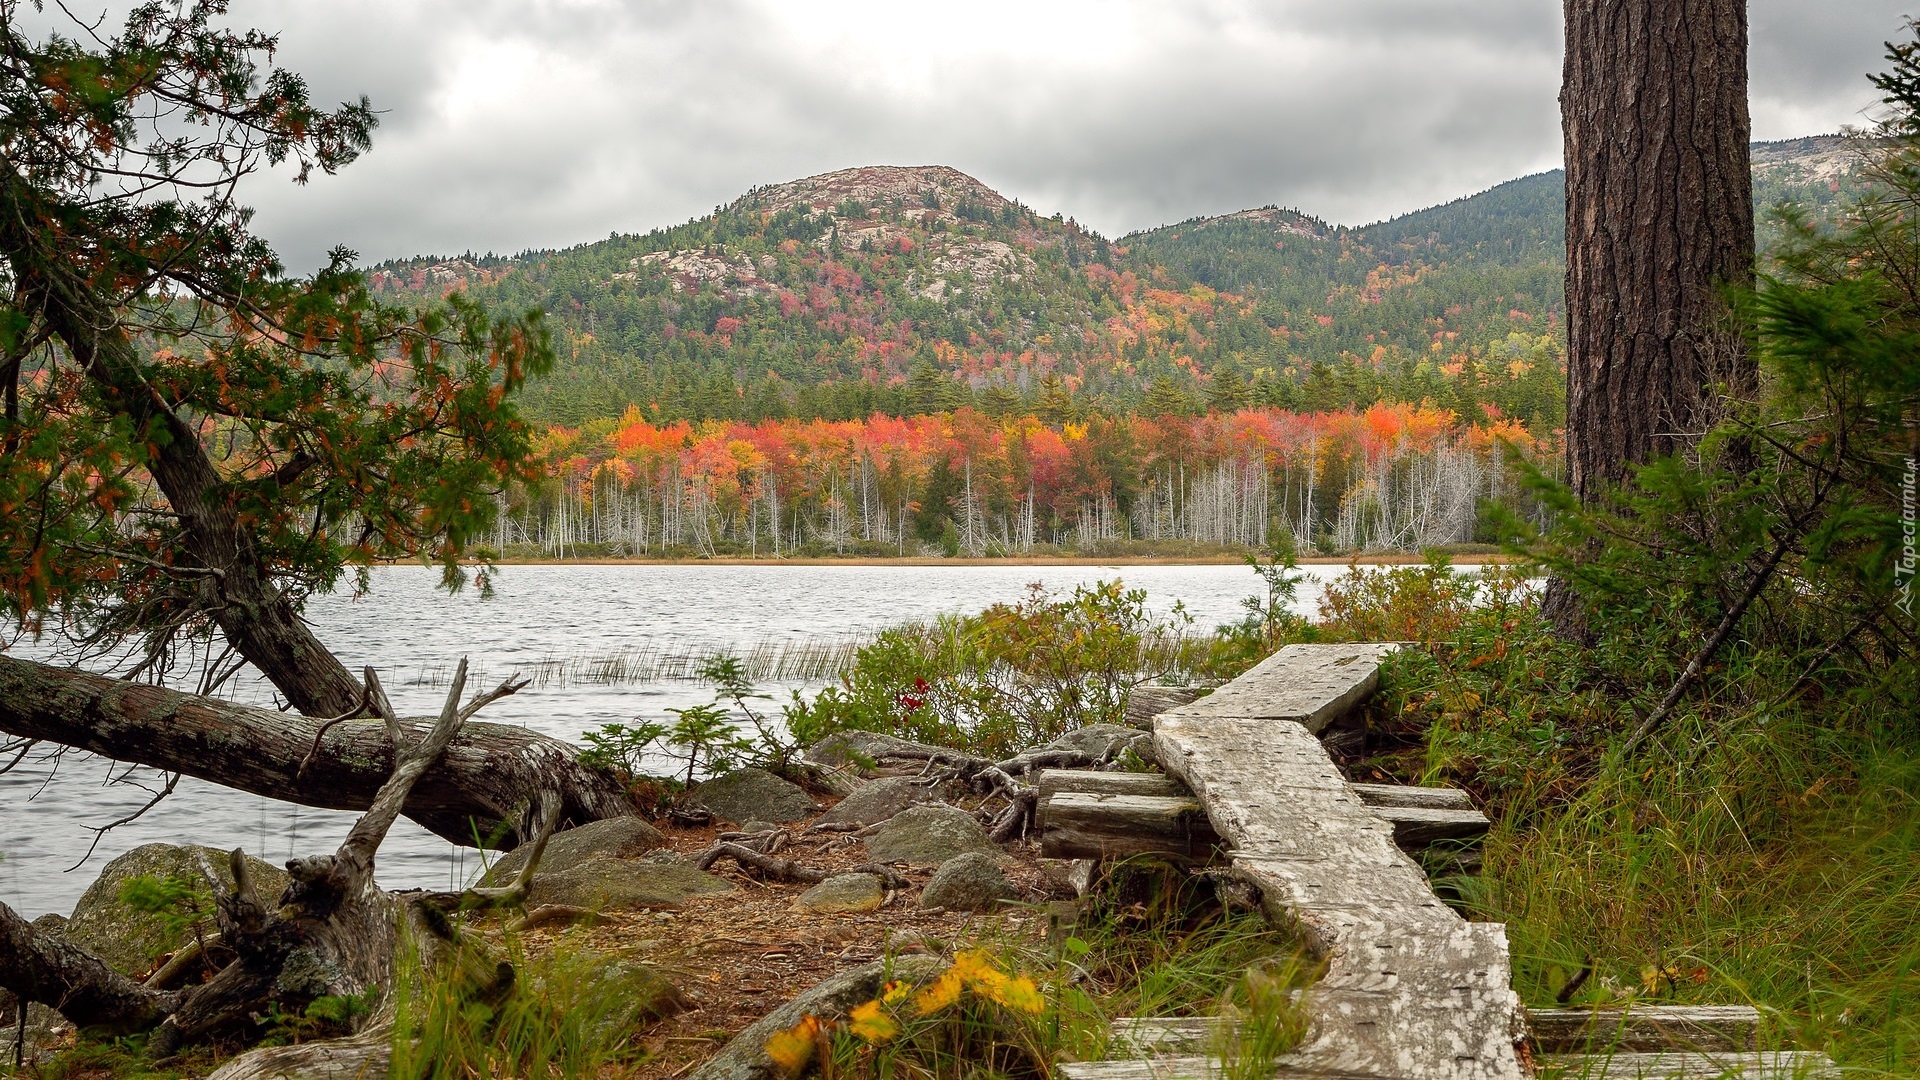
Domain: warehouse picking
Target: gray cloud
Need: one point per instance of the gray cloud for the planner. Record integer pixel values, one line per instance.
(512, 125)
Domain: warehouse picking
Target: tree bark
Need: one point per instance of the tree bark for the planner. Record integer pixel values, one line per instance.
(49, 969)
(253, 613)
(1659, 220)
(484, 779)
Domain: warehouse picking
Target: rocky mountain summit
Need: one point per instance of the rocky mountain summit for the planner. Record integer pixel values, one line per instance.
(913, 289)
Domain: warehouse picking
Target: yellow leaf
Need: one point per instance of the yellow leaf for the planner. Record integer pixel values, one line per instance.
(1020, 993)
(871, 1024)
(941, 993)
(1656, 979)
(793, 1049)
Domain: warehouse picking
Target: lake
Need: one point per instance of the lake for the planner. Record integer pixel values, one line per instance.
(541, 617)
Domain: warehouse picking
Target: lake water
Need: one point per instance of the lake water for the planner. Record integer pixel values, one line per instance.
(414, 634)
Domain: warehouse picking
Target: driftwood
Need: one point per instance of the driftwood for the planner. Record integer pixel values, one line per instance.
(787, 869)
(333, 932)
(479, 786)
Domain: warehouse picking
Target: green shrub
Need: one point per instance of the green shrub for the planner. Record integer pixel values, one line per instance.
(706, 738)
(1013, 676)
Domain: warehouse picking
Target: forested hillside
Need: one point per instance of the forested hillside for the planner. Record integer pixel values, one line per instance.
(916, 290)
(735, 382)
(909, 291)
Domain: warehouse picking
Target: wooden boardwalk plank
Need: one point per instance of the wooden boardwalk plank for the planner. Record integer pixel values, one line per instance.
(1083, 825)
(1095, 825)
(1415, 798)
(1639, 1029)
(1645, 1028)
(1050, 782)
(1750, 1065)
(1313, 685)
(1411, 990)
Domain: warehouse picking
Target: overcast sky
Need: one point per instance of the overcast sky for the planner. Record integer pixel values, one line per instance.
(510, 124)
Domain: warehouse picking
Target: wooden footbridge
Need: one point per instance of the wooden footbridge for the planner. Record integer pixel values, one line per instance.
(1412, 991)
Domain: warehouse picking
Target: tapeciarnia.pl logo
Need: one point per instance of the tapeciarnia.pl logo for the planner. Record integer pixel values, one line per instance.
(1903, 573)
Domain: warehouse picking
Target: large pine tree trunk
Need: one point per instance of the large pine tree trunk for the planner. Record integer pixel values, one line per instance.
(1659, 221)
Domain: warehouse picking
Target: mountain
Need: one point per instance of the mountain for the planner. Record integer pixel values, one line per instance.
(908, 290)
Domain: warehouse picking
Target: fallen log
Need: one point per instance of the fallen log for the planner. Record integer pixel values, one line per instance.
(331, 933)
(478, 786)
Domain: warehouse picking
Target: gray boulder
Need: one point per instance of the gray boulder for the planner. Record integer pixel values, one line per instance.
(643, 992)
(969, 882)
(754, 795)
(843, 894)
(928, 836)
(607, 884)
(745, 1056)
(876, 801)
(130, 939)
(619, 838)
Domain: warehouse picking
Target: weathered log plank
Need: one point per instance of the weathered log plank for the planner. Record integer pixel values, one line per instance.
(1413, 798)
(1094, 825)
(1079, 825)
(1750, 1065)
(1645, 1028)
(1144, 703)
(1641, 1029)
(1050, 782)
(1166, 1036)
(1193, 1067)
(1416, 827)
(1312, 685)
(1646, 1039)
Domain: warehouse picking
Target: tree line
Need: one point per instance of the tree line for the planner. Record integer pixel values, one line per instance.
(1389, 477)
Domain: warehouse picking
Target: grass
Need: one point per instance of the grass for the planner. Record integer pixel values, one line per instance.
(567, 1014)
(121, 1059)
(1764, 851)
(1780, 869)
(648, 660)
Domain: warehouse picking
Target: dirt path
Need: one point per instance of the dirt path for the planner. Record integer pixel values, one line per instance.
(739, 955)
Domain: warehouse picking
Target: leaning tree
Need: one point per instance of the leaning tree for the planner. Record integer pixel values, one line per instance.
(193, 442)
(1659, 224)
